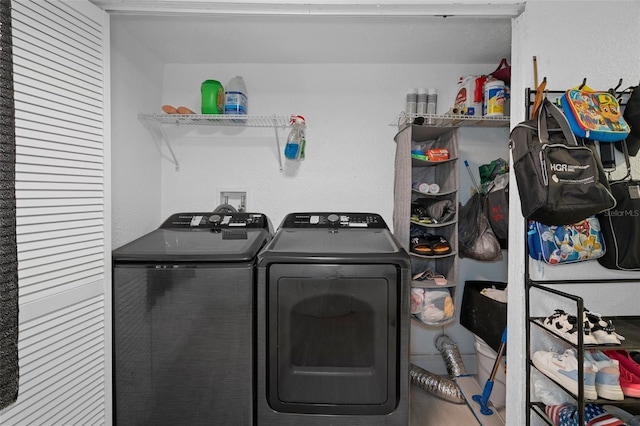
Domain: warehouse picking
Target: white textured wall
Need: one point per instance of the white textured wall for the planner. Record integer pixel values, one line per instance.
(136, 87)
(552, 31)
(350, 148)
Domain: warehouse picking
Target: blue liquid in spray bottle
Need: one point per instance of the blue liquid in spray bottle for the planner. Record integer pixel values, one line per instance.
(294, 149)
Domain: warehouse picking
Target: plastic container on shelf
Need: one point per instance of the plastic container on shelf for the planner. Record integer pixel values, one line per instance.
(427, 188)
(212, 94)
(432, 101)
(420, 186)
(494, 98)
(235, 97)
(412, 101)
(421, 107)
(469, 97)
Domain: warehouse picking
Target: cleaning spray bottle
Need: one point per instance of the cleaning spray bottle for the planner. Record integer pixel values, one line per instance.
(294, 149)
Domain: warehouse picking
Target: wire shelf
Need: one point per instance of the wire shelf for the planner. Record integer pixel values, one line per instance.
(217, 120)
(435, 120)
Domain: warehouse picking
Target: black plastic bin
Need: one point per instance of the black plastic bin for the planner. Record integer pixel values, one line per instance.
(481, 315)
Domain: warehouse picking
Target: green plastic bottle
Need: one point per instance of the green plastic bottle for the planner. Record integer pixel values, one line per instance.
(212, 97)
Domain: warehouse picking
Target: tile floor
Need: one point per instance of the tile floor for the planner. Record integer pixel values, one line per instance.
(429, 410)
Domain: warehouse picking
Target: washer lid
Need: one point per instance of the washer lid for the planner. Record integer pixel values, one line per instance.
(334, 241)
(325, 232)
(194, 237)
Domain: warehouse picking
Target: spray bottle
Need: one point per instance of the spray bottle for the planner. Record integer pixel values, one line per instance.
(294, 149)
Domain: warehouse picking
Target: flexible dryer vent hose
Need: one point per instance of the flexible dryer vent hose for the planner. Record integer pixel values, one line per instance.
(441, 386)
(451, 355)
(437, 385)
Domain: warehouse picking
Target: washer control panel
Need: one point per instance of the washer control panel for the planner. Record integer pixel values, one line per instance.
(334, 220)
(208, 220)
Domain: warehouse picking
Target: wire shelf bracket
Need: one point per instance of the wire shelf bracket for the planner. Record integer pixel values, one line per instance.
(156, 124)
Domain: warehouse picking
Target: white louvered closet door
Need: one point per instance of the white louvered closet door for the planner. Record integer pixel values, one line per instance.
(61, 101)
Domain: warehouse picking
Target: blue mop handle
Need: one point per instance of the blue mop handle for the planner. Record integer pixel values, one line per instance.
(503, 342)
(488, 387)
(486, 393)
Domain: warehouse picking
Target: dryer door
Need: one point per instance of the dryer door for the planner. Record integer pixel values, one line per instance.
(333, 338)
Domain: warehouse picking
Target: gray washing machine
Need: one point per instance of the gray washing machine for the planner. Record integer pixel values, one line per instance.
(183, 323)
(333, 323)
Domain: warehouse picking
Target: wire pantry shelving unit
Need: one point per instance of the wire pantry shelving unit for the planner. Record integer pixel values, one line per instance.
(156, 124)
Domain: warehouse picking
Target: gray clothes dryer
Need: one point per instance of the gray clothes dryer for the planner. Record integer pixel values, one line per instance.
(183, 304)
(333, 323)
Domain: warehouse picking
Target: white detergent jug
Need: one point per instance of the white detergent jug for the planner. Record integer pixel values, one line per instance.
(469, 98)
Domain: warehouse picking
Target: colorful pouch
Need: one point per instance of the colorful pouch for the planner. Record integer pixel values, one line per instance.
(594, 115)
(566, 243)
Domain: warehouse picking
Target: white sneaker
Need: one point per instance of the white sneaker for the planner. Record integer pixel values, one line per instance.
(603, 330)
(563, 368)
(566, 326)
(607, 376)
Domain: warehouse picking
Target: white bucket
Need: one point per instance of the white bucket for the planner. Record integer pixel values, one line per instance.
(486, 358)
(494, 98)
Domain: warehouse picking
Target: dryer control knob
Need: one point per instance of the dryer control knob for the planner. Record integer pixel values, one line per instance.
(333, 218)
(215, 218)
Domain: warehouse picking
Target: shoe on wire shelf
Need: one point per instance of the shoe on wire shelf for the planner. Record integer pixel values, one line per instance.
(602, 330)
(563, 369)
(566, 326)
(607, 375)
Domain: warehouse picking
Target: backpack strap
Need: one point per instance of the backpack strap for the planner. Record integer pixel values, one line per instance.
(627, 161)
(554, 111)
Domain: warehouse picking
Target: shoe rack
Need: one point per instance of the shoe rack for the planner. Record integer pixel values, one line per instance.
(627, 326)
(542, 292)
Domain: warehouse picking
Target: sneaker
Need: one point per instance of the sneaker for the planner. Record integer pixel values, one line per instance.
(566, 326)
(625, 361)
(607, 376)
(563, 368)
(602, 330)
(630, 383)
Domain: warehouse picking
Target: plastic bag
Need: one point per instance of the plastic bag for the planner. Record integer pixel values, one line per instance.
(431, 305)
(476, 239)
(488, 172)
